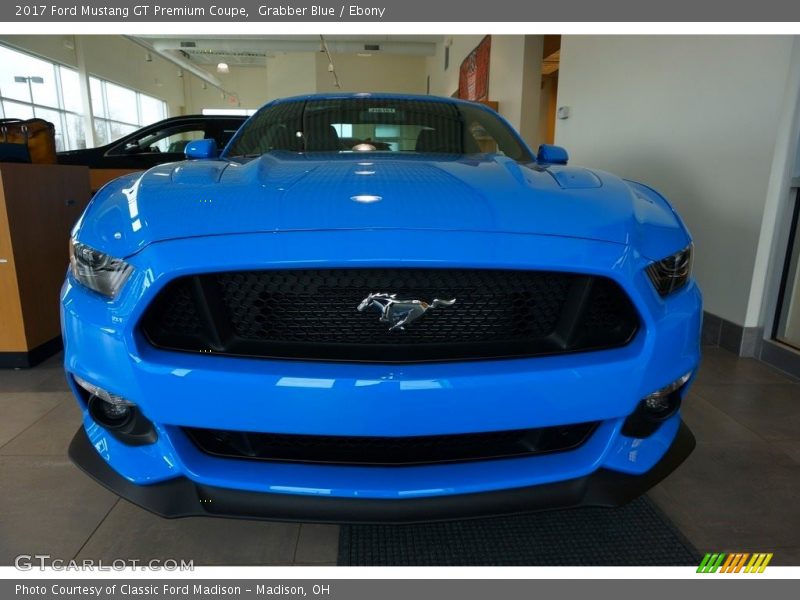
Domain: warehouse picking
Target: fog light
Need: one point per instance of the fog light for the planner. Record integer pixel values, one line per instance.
(656, 403)
(105, 395)
(661, 401)
(110, 415)
(654, 409)
(115, 411)
(108, 409)
(120, 416)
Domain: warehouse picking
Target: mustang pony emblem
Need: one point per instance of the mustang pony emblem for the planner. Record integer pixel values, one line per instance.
(399, 313)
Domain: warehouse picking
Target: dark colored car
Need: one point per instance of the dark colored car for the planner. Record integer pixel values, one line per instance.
(156, 144)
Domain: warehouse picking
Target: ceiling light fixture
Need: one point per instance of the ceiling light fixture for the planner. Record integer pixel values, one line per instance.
(223, 68)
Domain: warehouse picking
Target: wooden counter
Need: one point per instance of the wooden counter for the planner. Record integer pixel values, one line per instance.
(39, 204)
(99, 177)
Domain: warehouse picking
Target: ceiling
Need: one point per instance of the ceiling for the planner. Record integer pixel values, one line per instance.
(254, 50)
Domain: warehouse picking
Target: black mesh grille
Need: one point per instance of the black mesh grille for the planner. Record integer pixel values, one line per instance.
(181, 312)
(416, 450)
(312, 314)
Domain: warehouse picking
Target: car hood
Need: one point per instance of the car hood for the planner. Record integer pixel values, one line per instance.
(281, 192)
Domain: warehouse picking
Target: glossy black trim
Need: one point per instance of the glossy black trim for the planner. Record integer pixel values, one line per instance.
(390, 451)
(181, 497)
(642, 423)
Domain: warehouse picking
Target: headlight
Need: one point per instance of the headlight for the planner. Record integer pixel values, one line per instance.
(97, 271)
(671, 273)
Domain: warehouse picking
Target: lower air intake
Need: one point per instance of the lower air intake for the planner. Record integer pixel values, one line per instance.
(390, 451)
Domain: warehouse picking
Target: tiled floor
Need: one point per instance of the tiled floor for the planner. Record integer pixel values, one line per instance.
(737, 492)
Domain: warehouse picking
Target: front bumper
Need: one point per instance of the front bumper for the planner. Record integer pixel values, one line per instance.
(177, 390)
(183, 498)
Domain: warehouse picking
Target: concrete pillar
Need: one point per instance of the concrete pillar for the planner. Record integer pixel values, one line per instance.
(530, 90)
(86, 95)
(515, 81)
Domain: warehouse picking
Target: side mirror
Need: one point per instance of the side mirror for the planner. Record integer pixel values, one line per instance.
(206, 148)
(552, 155)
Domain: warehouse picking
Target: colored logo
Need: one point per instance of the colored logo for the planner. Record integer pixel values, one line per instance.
(738, 562)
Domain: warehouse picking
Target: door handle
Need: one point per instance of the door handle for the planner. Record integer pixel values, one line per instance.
(3, 261)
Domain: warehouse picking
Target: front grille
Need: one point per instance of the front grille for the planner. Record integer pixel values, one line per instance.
(393, 451)
(312, 314)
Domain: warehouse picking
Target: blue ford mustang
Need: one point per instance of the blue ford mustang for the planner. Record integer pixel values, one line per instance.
(378, 308)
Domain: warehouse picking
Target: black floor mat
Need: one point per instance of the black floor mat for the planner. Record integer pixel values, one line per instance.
(635, 534)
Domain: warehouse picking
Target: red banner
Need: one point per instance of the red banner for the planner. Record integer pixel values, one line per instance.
(473, 78)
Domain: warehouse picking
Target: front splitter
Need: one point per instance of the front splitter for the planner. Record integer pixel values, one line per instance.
(181, 497)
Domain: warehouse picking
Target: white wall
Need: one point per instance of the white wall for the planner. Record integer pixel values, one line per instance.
(376, 73)
(291, 74)
(695, 117)
(285, 74)
(249, 84)
(296, 73)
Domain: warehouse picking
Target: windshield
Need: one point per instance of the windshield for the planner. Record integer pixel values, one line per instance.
(376, 125)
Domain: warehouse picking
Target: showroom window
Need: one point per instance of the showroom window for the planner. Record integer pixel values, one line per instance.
(230, 112)
(31, 87)
(119, 111)
(34, 88)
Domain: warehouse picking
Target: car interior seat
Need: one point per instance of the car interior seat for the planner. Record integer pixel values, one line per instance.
(279, 138)
(322, 137)
(435, 141)
(178, 147)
